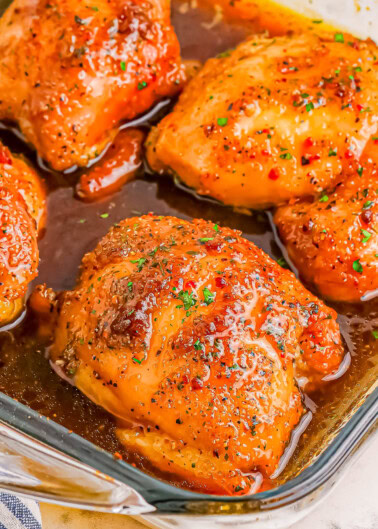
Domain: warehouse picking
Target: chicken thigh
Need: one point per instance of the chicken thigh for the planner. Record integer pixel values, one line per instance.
(193, 338)
(70, 71)
(272, 120)
(333, 240)
(22, 207)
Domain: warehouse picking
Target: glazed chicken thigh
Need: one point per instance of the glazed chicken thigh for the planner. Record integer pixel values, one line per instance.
(195, 340)
(22, 208)
(333, 240)
(71, 71)
(272, 120)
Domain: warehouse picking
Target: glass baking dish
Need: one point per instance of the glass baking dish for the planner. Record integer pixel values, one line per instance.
(45, 461)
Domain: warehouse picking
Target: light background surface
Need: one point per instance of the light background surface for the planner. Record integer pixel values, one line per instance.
(360, 17)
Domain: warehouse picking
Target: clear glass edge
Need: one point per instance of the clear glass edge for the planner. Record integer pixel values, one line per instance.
(170, 499)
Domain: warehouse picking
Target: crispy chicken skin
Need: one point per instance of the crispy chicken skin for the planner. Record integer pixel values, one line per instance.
(333, 240)
(274, 119)
(193, 338)
(22, 208)
(70, 71)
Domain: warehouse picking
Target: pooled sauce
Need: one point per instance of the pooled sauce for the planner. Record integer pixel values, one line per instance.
(74, 227)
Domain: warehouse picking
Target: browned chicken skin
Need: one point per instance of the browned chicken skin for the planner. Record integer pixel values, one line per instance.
(333, 240)
(194, 339)
(70, 71)
(22, 209)
(272, 120)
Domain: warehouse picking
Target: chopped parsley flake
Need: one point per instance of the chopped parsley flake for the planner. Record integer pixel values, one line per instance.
(187, 299)
(222, 122)
(142, 85)
(123, 65)
(208, 296)
(286, 156)
(324, 198)
(198, 346)
(367, 236)
(339, 37)
(357, 266)
(140, 262)
(136, 360)
(310, 106)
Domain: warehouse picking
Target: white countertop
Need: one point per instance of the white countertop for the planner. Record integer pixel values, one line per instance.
(352, 504)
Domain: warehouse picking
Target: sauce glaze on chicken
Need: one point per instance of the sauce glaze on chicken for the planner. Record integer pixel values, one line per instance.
(272, 120)
(198, 343)
(333, 239)
(22, 208)
(194, 338)
(71, 71)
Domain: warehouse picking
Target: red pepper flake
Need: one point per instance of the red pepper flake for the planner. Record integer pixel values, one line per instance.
(220, 282)
(197, 383)
(185, 379)
(349, 154)
(309, 142)
(190, 284)
(5, 157)
(366, 216)
(215, 246)
(273, 174)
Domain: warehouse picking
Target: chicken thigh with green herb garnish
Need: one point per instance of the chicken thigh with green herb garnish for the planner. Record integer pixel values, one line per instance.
(71, 71)
(272, 120)
(194, 339)
(333, 240)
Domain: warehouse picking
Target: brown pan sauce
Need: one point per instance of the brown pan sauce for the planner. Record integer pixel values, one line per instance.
(73, 227)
